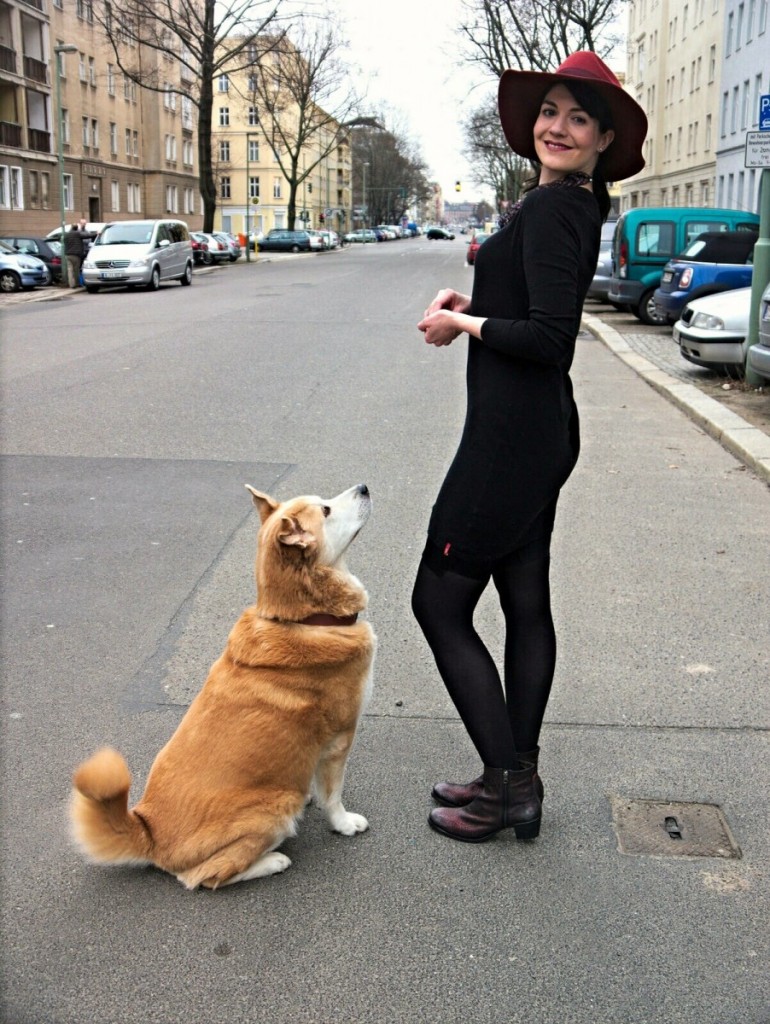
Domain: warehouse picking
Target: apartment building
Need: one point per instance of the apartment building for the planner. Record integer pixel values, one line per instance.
(697, 68)
(252, 189)
(128, 152)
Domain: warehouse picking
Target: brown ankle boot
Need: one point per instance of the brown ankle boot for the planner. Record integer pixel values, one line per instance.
(458, 794)
(508, 799)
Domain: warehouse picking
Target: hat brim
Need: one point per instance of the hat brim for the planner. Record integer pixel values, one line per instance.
(520, 94)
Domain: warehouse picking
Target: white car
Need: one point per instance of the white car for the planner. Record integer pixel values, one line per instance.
(759, 354)
(712, 331)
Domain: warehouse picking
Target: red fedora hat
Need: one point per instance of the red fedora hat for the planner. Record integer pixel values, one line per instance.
(521, 93)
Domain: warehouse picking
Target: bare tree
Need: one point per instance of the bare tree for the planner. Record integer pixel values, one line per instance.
(395, 174)
(304, 101)
(492, 159)
(180, 47)
(536, 34)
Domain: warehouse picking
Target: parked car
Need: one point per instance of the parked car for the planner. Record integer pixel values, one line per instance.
(219, 250)
(712, 331)
(331, 239)
(474, 245)
(759, 354)
(283, 240)
(646, 239)
(44, 249)
(200, 248)
(436, 234)
(362, 235)
(232, 244)
(139, 252)
(716, 261)
(599, 288)
(18, 270)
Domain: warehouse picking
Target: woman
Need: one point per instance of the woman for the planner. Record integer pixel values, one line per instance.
(495, 511)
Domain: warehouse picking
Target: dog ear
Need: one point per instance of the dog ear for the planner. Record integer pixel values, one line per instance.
(265, 504)
(292, 534)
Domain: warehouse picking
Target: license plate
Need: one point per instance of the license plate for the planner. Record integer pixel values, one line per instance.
(668, 277)
(112, 274)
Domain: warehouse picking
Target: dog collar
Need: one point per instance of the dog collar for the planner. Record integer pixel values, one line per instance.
(325, 619)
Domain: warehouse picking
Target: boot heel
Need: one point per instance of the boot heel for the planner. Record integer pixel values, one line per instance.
(527, 829)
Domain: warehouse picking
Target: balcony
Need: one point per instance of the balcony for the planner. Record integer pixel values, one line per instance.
(10, 134)
(7, 59)
(39, 141)
(36, 69)
(38, 5)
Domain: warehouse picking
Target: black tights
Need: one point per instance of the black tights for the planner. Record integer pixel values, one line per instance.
(499, 724)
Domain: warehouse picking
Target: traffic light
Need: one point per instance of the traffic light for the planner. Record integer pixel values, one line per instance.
(458, 186)
(321, 217)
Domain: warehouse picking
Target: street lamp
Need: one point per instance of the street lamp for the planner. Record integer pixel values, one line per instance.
(364, 210)
(59, 50)
(249, 136)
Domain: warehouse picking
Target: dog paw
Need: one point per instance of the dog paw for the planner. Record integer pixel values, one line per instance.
(273, 864)
(348, 824)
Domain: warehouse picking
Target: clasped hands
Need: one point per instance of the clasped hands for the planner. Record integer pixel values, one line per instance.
(440, 325)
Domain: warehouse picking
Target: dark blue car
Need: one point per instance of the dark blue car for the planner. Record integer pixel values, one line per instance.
(716, 261)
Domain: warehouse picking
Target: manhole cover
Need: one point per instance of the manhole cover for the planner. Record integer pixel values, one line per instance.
(672, 830)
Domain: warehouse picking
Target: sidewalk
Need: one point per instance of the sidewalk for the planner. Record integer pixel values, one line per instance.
(747, 442)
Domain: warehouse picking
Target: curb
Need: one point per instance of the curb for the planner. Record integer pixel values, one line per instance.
(741, 439)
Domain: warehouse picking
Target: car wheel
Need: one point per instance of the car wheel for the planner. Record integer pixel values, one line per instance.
(647, 311)
(9, 282)
(92, 289)
(295, 248)
(208, 259)
(233, 257)
(186, 278)
(154, 282)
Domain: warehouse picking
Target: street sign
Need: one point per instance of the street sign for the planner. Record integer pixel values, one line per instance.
(757, 149)
(764, 113)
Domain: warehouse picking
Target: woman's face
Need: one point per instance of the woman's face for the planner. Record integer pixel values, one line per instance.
(567, 139)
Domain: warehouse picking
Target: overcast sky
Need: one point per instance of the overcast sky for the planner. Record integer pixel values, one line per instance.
(409, 53)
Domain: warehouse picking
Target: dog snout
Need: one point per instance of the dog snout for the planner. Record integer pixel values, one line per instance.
(363, 490)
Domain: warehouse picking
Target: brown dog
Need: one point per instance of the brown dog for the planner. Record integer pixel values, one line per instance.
(273, 724)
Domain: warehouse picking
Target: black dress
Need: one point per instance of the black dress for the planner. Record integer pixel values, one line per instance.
(521, 440)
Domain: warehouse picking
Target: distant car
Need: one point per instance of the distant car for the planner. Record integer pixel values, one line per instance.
(759, 354)
(474, 245)
(17, 270)
(200, 247)
(716, 261)
(331, 239)
(283, 240)
(232, 243)
(437, 234)
(712, 331)
(219, 250)
(92, 229)
(599, 288)
(44, 249)
(362, 235)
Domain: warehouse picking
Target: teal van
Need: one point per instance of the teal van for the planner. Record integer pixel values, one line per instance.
(646, 239)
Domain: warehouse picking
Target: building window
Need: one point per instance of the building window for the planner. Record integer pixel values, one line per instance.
(172, 203)
(86, 132)
(65, 127)
(224, 150)
(34, 188)
(45, 190)
(91, 72)
(189, 200)
(223, 83)
(69, 193)
(253, 119)
(94, 133)
(253, 187)
(113, 139)
(82, 66)
(224, 187)
(277, 188)
(128, 142)
(253, 150)
(224, 117)
(115, 192)
(133, 199)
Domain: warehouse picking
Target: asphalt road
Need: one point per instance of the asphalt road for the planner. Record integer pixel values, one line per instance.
(130, 423)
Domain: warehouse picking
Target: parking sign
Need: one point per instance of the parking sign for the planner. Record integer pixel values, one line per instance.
(764, 113)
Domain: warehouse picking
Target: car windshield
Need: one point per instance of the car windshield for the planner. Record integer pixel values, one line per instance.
(125, 234)
(6, 249)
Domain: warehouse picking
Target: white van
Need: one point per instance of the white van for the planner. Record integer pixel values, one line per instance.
(139, 252)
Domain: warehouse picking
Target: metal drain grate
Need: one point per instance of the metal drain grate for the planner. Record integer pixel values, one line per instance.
(665, 829)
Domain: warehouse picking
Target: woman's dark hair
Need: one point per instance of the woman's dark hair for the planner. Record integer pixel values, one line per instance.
(594, 105)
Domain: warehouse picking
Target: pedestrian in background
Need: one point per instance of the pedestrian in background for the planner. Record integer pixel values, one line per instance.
(494, 514)
(75, 249)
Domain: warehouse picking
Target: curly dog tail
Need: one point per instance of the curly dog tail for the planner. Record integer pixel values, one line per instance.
(102, 825)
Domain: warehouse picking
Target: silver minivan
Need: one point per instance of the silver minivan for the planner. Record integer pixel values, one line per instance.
(139, 252)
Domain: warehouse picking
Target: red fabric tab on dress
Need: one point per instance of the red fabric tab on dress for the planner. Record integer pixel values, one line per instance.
(446, 548)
